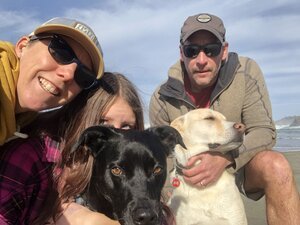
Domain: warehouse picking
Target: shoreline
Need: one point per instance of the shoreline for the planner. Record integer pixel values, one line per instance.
(255, 210)
(287, 149)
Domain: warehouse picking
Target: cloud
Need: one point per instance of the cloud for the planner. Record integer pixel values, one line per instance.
(13, 24)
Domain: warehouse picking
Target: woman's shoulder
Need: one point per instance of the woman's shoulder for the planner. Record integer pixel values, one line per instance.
(23, 162)
(21, 149)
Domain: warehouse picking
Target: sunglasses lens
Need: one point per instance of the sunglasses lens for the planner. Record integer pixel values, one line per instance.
(64, 54)
(61, 51)
(211, 50)
(84, 77)
(191, 51)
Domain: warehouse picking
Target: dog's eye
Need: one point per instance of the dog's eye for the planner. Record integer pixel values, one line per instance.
(116, 171)
(209, 118)
(157, 170)
(213, 145)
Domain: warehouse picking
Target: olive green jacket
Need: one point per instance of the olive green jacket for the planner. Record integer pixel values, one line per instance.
(240, 94)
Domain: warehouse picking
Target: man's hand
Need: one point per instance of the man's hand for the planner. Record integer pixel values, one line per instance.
(206, 168)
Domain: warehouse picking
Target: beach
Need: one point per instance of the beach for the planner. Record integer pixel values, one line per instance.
(255, 210)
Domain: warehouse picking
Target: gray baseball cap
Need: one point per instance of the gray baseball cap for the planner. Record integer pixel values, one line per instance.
(79, 32)
(203, 21)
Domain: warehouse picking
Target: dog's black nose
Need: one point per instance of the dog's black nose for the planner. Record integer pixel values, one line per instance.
(144, 216)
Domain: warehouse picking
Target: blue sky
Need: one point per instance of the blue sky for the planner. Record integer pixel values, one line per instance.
(140, 38)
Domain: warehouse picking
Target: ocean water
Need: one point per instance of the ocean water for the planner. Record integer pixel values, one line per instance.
(288, 139)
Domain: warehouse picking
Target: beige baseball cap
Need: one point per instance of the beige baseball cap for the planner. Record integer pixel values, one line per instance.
(203, 21)
(79, 32)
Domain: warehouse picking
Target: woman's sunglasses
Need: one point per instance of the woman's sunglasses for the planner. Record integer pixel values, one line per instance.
(210, 50)
(63, 54)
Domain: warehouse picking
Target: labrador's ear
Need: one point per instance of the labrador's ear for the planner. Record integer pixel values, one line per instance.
(178, 124)
(169, 136)
(95, 139)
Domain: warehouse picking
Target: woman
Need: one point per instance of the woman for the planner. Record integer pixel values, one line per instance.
(115, 102)
(44, 70)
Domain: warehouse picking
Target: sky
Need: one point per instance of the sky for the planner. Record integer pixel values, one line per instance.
(140, 38)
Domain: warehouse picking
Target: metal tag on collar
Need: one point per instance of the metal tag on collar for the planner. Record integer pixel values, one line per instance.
(175, 182)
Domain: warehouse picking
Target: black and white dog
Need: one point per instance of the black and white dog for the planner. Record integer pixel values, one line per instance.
(129, 172)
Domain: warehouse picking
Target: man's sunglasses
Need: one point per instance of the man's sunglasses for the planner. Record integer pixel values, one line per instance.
(63, 54)
(211, 50)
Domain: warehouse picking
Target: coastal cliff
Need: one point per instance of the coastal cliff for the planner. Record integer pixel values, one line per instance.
(288, 122)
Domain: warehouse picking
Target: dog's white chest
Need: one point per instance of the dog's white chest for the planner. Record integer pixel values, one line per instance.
(218, 204)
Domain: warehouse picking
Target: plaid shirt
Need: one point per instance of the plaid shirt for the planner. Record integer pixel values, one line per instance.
(25, 178)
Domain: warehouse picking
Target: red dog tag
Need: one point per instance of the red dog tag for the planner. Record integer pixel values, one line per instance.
(175, 182)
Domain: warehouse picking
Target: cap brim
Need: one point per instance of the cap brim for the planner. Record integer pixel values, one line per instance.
(82, 39)
(214, 32)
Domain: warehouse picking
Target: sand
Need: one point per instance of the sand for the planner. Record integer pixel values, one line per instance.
(256, 209)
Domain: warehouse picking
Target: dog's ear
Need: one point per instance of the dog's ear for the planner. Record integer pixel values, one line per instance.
(169, 136)
(178, 124)
(94, 139)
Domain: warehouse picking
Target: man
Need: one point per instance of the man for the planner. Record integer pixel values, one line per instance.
(45, 69)
(207, 75)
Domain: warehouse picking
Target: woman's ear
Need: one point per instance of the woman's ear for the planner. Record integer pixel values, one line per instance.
(21, 44)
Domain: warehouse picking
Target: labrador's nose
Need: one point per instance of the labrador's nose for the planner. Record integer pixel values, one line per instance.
(240, 127)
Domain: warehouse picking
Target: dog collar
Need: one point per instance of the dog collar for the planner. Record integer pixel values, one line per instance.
(179, 167)
(179, 170)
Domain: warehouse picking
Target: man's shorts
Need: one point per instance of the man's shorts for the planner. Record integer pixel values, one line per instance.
(239, 180)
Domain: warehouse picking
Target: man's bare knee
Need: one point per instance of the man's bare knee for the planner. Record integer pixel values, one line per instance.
(265, 168)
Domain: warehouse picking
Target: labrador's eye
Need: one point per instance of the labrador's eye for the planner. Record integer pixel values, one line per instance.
(209, 118)
(213, 145)
(117, 171)
(157, 170)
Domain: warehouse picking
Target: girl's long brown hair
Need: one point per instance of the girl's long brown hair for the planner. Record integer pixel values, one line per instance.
(66, 125)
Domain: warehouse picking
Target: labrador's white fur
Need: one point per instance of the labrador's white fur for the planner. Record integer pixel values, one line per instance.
(219, 203)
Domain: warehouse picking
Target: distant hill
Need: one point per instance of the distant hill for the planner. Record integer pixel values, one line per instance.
(289, 121)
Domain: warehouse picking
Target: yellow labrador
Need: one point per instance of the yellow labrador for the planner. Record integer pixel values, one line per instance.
(219, 203)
